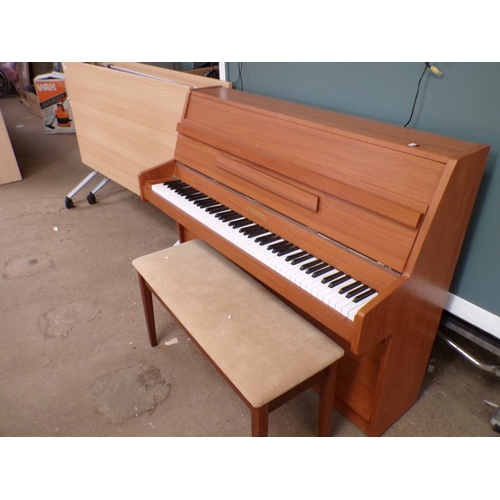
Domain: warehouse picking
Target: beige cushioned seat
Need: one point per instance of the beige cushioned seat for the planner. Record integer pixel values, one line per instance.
(257, 341)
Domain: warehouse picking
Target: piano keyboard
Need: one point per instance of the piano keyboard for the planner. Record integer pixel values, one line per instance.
(338, 290)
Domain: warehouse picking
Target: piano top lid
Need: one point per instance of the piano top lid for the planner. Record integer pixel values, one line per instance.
(416, 142)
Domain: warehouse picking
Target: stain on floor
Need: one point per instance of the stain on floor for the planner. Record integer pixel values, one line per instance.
(27, 266)
(60, 321)
(129, 392)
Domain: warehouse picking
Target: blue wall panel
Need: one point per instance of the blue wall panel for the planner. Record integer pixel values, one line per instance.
(464, 103)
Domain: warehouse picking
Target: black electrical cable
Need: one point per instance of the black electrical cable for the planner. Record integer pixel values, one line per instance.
(427, 65)
(240, 77)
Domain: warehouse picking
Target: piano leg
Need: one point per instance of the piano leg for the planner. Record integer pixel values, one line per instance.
(185, 234)
(147, 301)
(326, 395)
(260, 421)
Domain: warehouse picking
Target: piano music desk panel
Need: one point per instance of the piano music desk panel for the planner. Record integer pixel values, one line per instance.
(337, 215)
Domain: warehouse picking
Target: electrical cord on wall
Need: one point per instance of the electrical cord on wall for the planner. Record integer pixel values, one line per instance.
(240, 75)
(434, 70)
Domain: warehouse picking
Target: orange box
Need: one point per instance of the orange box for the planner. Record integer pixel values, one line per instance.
(54, 103)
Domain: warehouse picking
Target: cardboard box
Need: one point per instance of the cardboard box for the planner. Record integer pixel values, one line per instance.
(34, 104)
(54, 103)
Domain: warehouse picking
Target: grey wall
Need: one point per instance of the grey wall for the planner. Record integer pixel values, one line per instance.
(464, 103)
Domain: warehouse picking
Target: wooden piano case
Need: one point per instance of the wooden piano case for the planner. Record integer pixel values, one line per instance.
(385, 204)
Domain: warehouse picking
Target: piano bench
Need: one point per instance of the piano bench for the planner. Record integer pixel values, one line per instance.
(267, 352)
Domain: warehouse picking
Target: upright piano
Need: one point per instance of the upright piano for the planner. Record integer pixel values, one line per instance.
(356, 224)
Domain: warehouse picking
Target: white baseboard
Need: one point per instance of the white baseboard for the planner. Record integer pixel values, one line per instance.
(473, 314)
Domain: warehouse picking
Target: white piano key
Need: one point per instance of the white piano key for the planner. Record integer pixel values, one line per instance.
(351, 311)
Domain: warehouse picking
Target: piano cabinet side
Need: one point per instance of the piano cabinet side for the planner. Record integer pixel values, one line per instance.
(155, 175)
(409, 319)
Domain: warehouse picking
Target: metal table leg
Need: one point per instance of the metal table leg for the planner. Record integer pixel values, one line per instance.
(68, 202)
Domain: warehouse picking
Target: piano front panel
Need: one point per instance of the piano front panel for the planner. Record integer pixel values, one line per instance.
(380, 238)
(357, 380)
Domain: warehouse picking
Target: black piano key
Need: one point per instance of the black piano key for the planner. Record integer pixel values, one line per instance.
(257, 232)
(220, 215)
(186, 193)
(287, 250)
(278, 245)
(195, 197)
(307, 265)
(298, 260)
(206, 203)
(229, 218)
(215, 210)
(280, 248)
(338, 281)
(265, 237)
(172, 184)
(296, 255)
(213, 207)
(255, 229)
(359, 298)
(331, 277)
(356, 291)
(247, 228)
(316, 267)
(182, 185)
(187, 189)
(350, 287)
(270, 240)
(240, 223)
(322, 271)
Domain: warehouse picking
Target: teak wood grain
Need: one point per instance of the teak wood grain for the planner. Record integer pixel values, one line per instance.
(353, 193)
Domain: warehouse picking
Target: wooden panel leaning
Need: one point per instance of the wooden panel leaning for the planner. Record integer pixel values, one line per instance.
(126, 115)
(9, 169)
(267, 358)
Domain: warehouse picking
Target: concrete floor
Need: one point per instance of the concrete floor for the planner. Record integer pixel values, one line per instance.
(74, 354)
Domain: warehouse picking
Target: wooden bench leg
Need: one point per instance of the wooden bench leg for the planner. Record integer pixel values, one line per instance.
(260, 421)
(147, 302)
(326, 394)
